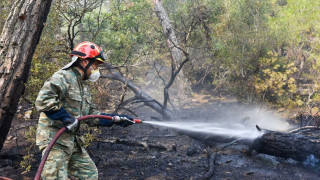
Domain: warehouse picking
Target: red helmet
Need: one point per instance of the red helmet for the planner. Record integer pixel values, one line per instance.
(90, 50)
(86, 50)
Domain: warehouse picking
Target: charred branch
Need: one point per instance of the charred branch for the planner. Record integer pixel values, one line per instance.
(210, 173)
(139, 94)
(305, 129)
(132, 142)
(127, 110)
(124, 103)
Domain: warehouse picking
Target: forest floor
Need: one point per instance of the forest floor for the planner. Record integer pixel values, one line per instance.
(143, 151)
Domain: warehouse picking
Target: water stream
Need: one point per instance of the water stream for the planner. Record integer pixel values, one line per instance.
(234, 130)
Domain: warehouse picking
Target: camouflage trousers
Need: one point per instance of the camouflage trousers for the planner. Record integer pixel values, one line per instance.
(78, 164)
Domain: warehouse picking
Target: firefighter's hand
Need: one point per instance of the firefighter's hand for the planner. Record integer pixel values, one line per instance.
(67, 119)
(70, 122)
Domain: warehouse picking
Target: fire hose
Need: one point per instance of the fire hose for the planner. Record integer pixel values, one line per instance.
(61, 131)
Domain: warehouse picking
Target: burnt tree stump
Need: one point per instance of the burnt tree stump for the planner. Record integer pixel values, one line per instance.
(288, 145)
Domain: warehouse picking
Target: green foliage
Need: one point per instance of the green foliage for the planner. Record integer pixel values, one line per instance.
(231, 36)
(90, 136)
(128, 34)
(295, 20)
(245, 38)
(30, 135)
(118, 26)
(275, 80)
(296, 28)
(49, 56)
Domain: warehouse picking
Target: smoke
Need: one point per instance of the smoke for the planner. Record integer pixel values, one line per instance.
(265, 119)
(228, 114)
(223, 113)
(228, 120)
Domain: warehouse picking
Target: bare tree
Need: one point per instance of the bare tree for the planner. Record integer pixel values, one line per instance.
(176, 51)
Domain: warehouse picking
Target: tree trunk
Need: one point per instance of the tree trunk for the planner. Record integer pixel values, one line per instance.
(19, 38)
(168, 32)
(288, 145)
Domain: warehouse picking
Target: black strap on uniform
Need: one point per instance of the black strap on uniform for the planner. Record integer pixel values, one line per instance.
(84, 69)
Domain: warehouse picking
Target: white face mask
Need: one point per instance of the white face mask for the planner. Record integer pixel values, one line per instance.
(95, 74)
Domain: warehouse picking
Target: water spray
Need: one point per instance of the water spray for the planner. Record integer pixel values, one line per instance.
(235, 130)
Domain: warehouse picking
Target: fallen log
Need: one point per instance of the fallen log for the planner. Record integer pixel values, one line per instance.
(287, 145)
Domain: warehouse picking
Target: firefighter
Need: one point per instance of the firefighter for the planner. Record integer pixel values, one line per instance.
(62, 99)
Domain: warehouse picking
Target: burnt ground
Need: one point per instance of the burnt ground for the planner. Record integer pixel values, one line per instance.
(142, 151)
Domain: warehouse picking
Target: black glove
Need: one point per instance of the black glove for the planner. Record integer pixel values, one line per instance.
(105, 122)
(67, 119)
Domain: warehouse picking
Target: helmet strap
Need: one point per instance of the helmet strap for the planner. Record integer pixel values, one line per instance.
(84, 69)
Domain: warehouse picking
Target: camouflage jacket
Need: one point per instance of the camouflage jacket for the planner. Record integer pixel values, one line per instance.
(64, 89)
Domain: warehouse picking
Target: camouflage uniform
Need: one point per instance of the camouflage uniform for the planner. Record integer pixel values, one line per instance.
(65, 89)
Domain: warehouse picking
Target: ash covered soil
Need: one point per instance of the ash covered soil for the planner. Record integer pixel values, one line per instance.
(143, 151)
